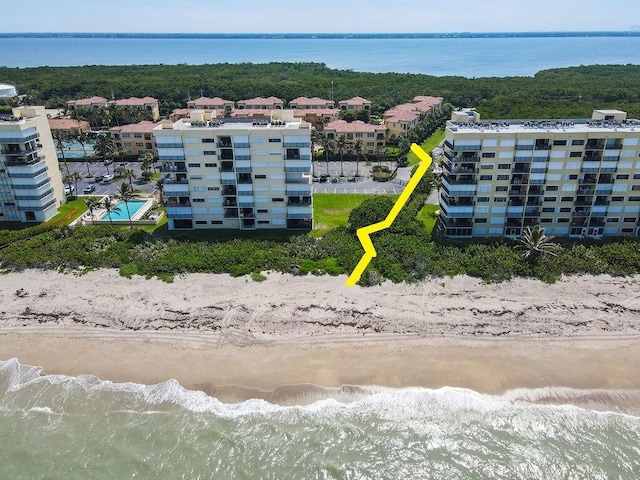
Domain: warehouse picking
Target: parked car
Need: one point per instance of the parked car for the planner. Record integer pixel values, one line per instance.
(352, 179)
(316, 179)
(107, 178)
(98, 178)
(123, 164)
(108, 161)
(323, 178)
(69, 189)
(89, 189)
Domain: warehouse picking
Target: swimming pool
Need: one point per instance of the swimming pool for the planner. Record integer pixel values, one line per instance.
(119, 212)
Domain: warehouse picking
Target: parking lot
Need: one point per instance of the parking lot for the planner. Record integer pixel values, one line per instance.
(98, 168)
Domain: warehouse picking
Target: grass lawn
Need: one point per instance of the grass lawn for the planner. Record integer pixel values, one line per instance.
(68, 212)
(330, 210)
(428, 145)
(427, 216)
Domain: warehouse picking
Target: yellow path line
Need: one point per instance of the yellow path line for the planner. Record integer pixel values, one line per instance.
(364, 232)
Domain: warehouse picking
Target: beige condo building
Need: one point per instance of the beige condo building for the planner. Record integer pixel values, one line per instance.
(31, 188)
(236, 173)
(576, 178)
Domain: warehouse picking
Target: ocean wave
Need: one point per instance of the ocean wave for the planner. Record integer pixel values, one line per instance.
(26, 387)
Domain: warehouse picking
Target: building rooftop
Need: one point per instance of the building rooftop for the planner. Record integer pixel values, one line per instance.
(87, 101)
(135, 101)
(209, 101)
(235, 124)
(354, 101)
(342, 126)
(66, 123)
(261, 101)
(142, 127)
(311, 101)
(540, 126)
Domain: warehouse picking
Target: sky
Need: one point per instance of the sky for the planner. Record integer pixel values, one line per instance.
(322, 16)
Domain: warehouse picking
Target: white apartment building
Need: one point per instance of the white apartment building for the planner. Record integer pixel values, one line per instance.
(31, 188)
(236, 173)
(576, 178)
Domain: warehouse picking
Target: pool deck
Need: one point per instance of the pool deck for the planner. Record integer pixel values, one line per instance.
(99, 215)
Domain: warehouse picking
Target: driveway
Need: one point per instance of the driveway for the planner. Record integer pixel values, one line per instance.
(98, 168)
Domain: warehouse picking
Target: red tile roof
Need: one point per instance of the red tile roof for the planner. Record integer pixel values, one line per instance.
(67, 124)
(85, 102)
(135, 101)
(262, 101)
(311, 101)
(354, 101)
(143, 127)
(216, 101)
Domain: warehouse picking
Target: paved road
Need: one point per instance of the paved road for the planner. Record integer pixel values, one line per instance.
(97, 168)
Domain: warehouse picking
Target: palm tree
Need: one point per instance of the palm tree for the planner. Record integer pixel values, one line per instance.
(68, 179)
(59, 137)
(315, 140)
(160, 187)
(109, 206)
(105, 147)
(125, 193)
(437, 183)
(534, 243)
(83, 138)
(327, 145)
(92, 205)
(145, 164)
(129, 175)
(75, 176)
(341, 143)
(357, 146)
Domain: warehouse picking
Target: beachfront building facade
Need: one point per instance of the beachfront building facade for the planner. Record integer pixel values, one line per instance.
(236, 173)
(354, 104)
(31, 188)
(372, 136)
(576, 178)
(137, 138)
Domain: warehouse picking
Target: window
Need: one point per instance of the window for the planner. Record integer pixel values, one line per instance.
(563, 220)
(486, 177)
(194, 165)
(260, 176)
(627, 230)
(216, 222)
(213, 189)
(275, 140)
(358, 135)
(502, 188)
(127, 144)
(201, 222)
(577, 142)
(483, 199)
(636, 176)
(137, 135)
(210, 165)
(634, 198)
(617, 199)
(263, 210)
(502, 177)
(480, 220)
(277, 199)
(635, 187)
(197, 200)
(575, 154)
(504, 166)
(546, 220)
(371, 135)
(209, 152)
(486, 166)
(488, 155)
(139, 144)
(565, 209)
(126, 135)
(550, 199)
(195, 177)
(548, 209)
(500, 199)
(622, 176)
(208, 140)
(573, 177)
(629, 219)
(552, 188)
(263, 222)
(613, 220)
(559, 142)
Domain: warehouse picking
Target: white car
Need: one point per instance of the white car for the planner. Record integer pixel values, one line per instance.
(107, 178)
(69, 189)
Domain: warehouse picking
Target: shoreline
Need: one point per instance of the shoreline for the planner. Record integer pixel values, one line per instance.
(293, 340)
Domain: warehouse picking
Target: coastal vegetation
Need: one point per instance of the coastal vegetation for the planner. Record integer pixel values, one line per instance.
(556, 93)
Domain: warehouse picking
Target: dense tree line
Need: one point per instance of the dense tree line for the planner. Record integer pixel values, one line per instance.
(559, 93)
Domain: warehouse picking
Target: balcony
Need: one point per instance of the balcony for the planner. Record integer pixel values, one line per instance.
(171, 202)
(452, 202)
(167, 168)
(239, 145)
(457, 169)
(296, 144)
(587, 181)
(584, 201)
(531, 212)
(461, 180)
(521, 168)
(457, 212)
(456, 222)
(535, 192)
(23, 161)
(229, 190)
(230, 202)
(226, 167)
(299, 202)
(594, 145)
(298, 157)
(581, 212)
(176, 181)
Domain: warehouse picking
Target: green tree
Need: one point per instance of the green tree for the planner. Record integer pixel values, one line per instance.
(75, 176)
(129, 175)
(370, 211)
(534, 243)
(83, 138)
(160, 188)
(125, 193)
(92, 205)
(357, 147)
(327, 145)
(105, 147)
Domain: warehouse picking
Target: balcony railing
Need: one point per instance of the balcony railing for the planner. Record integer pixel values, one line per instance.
(174, 181)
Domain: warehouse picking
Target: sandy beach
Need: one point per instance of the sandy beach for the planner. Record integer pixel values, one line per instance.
(287, 338)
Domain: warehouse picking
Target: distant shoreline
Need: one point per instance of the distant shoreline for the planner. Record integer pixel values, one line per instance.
(323, 36)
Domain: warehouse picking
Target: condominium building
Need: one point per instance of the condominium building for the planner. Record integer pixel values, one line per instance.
(206, 103)
(372, 136)
(355, 103)
(236, 173)
(91, 102)
(136, 138)
(31, 188)
(576, 178)
(260, 103)
(402, 118)
(148, 105)
(69, 126)
(311, 103)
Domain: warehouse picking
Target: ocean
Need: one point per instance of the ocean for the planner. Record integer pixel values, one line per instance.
(468, 56)
(59, 427)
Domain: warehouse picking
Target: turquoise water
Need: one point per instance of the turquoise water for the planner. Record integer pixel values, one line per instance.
(469, 57)
(120, 210)
(60, 427)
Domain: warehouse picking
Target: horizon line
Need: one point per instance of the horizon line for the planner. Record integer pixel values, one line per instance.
(465, 32)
